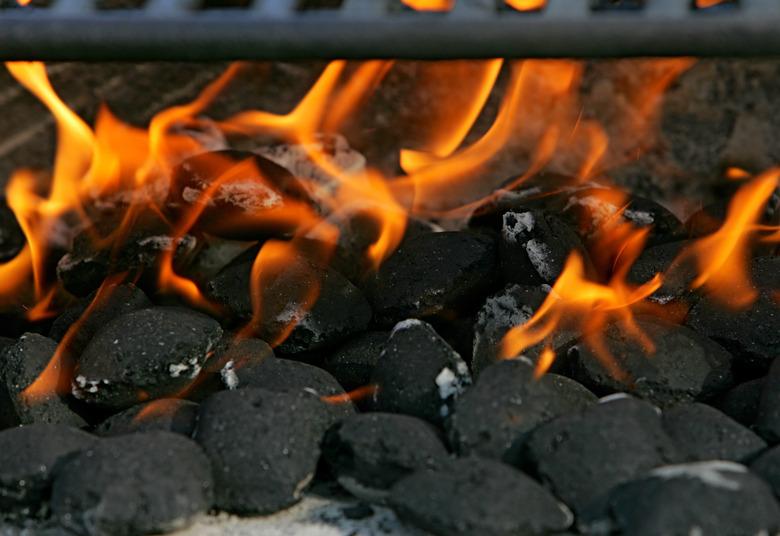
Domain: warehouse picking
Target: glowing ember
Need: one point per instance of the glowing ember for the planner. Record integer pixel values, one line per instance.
(526, 5)
(429, 5)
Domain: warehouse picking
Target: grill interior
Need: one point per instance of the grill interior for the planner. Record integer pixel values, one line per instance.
(296, 29)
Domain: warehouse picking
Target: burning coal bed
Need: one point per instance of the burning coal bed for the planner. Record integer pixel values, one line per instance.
(226, 315)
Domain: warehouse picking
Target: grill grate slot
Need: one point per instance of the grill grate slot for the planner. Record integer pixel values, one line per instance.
(297, 29)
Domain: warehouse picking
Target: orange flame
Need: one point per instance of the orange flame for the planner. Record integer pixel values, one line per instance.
(576, 301)
(546, 359)
(429, 5)
(526, 5)
(723, 256)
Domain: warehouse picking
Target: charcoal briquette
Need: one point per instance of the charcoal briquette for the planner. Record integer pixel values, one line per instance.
(678, 273)
(432, 273)
(682, 367)
(506, 403)
(161, 415)
(752, 334)
(22, 363)
(582, 456)
(141, 483)
(149, 353)
(12, 238)
(592, 209)
(768, 413)
(28, 455)
(767, 466)
(711, 497)
(702, 433)
(741, 401)
(473, 496)
(370, 452)
(245, 194)
(352, 362)
(85, 267)
(264, 446)
(289, 376)
(534, 247)
(511, 307)
(339, 311)
(92, 313)
(231, 354)
(418, 373)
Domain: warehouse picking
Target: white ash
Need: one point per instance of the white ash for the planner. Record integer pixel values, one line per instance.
(640, 217)
(166, 242)
(249, 195)
(600, 210)
(314, 516)
(611, 398)
(229, 376)
(191, 365)
(540, 256)
(293, 312)
(81, 385)
(406, 324)
(713, 473)
(515, 224)
(295, 159)
(497, 315)
(525, 359)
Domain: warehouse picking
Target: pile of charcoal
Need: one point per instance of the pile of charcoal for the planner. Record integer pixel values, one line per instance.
(391, 386)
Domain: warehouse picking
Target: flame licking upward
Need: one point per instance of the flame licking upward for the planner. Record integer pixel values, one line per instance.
(446, 173)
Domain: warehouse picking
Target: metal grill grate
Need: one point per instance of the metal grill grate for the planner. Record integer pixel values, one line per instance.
(287, 29)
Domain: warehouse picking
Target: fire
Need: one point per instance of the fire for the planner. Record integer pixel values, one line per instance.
(429, 5)
(723, 256)
(526, 5)
(577, 301)
(704, 4)
(446, 172)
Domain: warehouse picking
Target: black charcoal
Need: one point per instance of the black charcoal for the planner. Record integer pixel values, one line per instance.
(133, 484)
(768, 414)
(684, 365)
(92, 313)
(418, 373)
(352, 363)
(22, 364)
(741, 401)
(370, 452)
(28, 455)
(596, 208)
(432, 273)
(339, 311)
(472, 496)
(264, 446)
(241, 194)
(767, 466)
(149, 353)
(752, 334)
(513, 306)
(678, 273)
(84, 268)
(582, 456)
(534, 247)
(702, 433)
(233, 353)
(288, 376)
(713, 497)
(494, 416)
(12, 238)
(161, 415)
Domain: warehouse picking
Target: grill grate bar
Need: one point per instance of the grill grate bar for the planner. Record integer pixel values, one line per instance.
(277, 29)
